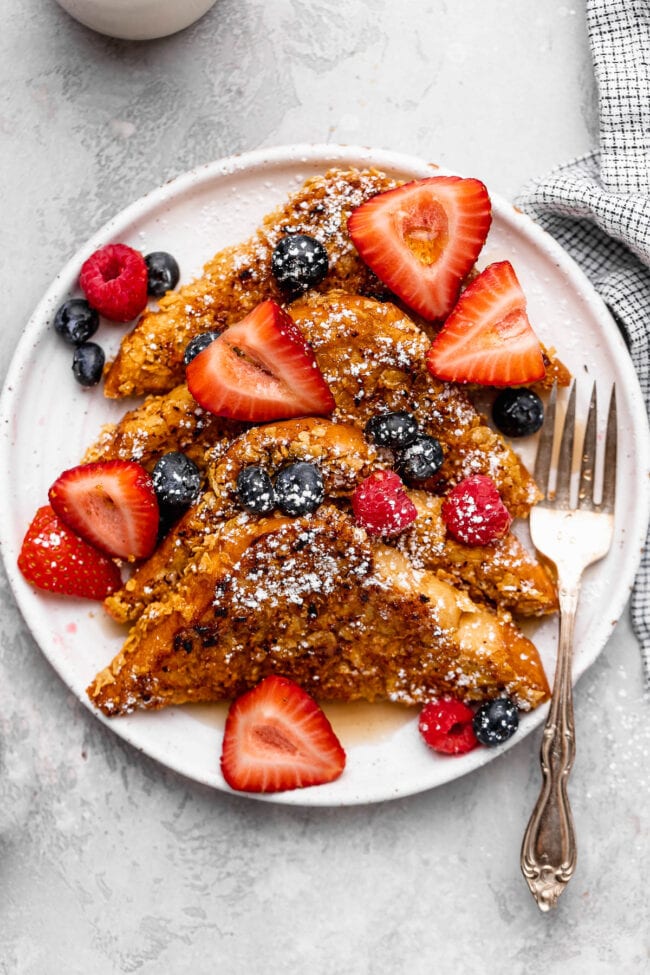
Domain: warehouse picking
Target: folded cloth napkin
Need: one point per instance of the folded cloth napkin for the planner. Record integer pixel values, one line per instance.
(598, 206)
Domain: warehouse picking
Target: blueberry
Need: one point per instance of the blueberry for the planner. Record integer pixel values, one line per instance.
(298, 263)
(421, 459)
(198, 344)
(255, 490)
(176, 480)
(76, 321)
(496, 721)
(396, 430)
(162, 273)
(518, 412)
(88, 363)
(299, 488)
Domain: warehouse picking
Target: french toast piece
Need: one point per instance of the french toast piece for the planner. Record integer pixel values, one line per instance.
(502, 572)
(236, 279)
(150, 359)
(343, 455)
(314, 599)
(373, 357)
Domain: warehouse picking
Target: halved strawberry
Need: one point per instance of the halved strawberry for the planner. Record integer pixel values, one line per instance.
(277, 738)
(53, 558)
(488, 339)
(422, 239)
(260, 369)
(111, 504)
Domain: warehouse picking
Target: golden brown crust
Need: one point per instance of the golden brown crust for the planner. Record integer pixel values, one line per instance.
(173, 421)
(316, 600)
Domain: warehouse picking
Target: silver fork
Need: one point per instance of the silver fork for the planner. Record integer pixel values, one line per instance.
(572, 536)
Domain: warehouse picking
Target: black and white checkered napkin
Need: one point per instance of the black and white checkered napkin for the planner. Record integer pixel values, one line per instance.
(598, 206)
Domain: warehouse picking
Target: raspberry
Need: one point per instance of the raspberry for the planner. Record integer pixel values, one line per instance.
(446, 726)
(474, 512)
(382, 506)
(114, 280)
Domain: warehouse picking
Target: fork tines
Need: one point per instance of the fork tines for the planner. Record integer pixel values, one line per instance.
(556, 461)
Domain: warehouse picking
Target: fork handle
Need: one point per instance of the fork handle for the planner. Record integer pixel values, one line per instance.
(548, 853)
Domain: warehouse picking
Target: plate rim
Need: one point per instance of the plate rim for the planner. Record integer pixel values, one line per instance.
(326, 155)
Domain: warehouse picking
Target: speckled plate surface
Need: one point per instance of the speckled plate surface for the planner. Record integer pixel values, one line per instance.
(47, 421)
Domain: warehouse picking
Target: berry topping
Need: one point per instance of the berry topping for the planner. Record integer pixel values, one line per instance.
(255, 490)
(382, 506)
(422, 239)
(518, 412)
(260, 369)
(299, 488)
(277, 738)
(474, 512)
(163, 273)
(114, 280)
(396, 430)
(422, 459)
(298, 263)
(75, 321)
(176, 480)
(446, 726)
(496, 721)
(111, 504)
(487, 338)
(88, 363)
(198, 344)
(54, 558)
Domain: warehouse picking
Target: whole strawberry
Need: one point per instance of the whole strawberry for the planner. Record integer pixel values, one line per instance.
(54, 558)
(474, 513)
(114, 280)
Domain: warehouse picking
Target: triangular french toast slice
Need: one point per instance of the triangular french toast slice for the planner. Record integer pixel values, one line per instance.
(373, 358)
(316, 600)
(502, 572)
(150, 359)
(343, 456)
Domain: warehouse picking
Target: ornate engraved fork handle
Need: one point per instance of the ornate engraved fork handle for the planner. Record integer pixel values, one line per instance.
(548, 853)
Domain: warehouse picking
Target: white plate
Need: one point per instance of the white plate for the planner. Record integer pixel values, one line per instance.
(48, 421)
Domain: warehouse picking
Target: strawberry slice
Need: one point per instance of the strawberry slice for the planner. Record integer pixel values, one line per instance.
(488, 339)
(422, 239)
(260, 369)
(53, 558)
(111, 504)
(277, 738)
